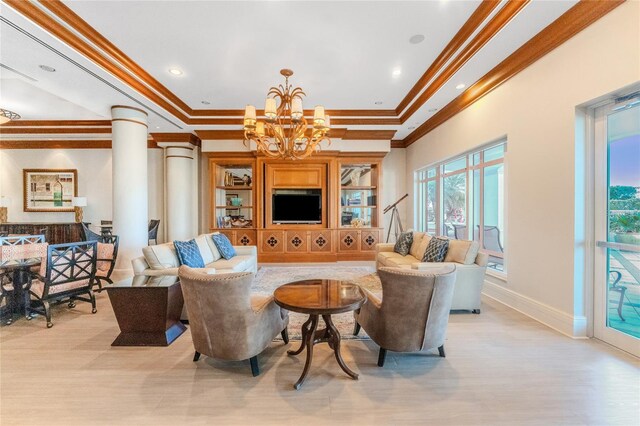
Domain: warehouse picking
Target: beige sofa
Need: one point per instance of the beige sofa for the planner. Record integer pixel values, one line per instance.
(471, 266)
(162, 259)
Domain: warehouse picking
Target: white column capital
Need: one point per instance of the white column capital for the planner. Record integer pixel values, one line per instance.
(127, 113)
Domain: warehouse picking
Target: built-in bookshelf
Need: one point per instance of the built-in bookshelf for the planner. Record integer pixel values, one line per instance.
(233, 204)
(359, 195)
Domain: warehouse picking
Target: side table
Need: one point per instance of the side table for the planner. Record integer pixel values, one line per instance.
(148, 310)
(319, 298)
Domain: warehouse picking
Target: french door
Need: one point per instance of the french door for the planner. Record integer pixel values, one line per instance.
(617, 225)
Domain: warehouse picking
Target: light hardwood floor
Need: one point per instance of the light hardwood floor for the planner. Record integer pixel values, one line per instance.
(502, 368)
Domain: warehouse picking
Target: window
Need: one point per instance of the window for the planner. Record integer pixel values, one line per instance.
(463, 198)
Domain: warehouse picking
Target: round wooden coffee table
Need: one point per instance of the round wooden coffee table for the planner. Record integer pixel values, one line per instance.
(319, 298)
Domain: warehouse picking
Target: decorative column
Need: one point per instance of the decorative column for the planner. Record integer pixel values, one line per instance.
(181, 156)
(130, 186)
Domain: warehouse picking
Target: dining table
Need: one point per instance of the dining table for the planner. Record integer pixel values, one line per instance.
(19, 270)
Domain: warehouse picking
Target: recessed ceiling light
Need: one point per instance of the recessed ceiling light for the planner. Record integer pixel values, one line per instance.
(412, 127)
(432, 110)
(157, 127)
(205, 102)
(418, 38)
(378, 102)
(47, 68)
(396, 72)
(175, 71)
(461, 86)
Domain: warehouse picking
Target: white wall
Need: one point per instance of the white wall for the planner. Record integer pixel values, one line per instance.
(394, 186)
(94, 181)
(536, 111)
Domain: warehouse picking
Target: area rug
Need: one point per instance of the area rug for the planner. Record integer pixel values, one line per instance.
(271, 277)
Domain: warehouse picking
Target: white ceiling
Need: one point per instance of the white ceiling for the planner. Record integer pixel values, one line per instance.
(343, 54)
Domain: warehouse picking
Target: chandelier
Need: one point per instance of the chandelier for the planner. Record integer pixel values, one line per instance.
(284, 132)
(6, 116)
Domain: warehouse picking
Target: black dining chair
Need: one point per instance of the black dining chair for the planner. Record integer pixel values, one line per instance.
(69, 275)
(154, 224)
(88, 234)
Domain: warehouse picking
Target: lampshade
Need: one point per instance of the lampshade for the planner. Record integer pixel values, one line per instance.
(79, 202)
(318, 116)
(270, 109)
(5, 202)
(296, 109)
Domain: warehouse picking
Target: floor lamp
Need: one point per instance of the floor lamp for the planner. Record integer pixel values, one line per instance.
(395, 223)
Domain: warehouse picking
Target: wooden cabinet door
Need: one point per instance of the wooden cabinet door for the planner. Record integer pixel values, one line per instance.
(368, 239)
(297, 241)
(349, 240)
(272, 241)
(321, 241)
(245, 237)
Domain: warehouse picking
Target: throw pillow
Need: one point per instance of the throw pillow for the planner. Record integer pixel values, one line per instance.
(188, 253)
(223, 245)
(404, 243)
(436, 250)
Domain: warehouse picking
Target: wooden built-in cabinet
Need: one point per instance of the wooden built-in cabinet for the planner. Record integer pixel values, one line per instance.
(350, 188)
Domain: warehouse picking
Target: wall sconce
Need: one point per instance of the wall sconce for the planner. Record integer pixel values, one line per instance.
(78, 203)
(4, 203)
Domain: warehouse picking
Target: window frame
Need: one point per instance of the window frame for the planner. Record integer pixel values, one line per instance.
(421, 183)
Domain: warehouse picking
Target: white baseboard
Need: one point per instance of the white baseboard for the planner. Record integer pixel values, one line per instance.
(569, 325)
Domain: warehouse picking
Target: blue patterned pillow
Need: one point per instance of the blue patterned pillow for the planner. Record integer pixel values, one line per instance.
(189, 254)
(436, 250)
(404, 243)
(224, 246)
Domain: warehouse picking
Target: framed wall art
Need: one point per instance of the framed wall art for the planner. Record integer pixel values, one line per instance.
(49, 190)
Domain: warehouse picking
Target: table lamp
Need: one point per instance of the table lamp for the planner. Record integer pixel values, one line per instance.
(4, 203)
(78, 203)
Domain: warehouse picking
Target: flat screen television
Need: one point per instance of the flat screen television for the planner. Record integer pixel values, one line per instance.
(296, 208)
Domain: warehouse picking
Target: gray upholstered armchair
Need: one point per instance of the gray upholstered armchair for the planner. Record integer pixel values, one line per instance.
(413, 313)
(226, 320)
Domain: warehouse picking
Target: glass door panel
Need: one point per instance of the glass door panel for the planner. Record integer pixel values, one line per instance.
(617, 273)
(623, 208)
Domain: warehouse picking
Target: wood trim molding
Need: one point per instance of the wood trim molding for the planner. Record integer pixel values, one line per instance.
(54, 130)
(81, 26)
(35, 14)
(502, 18)
(562, 29)
(57, 123)
(63, 144)
(307, 112)
(369, 134)
(220, 134)
(397, 143)
(475, 20)
(333, 133)
(176, 137)
(56, 144)
(238, 121)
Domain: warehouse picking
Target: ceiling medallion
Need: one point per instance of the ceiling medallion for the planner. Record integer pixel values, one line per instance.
(284, 132)
(6, 116)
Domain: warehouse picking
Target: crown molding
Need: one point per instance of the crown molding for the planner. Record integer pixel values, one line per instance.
(562, 29)
(53, 130)
(493, 27)
(176, 137)
(63, 144)
(470, 26)
(57, 123)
